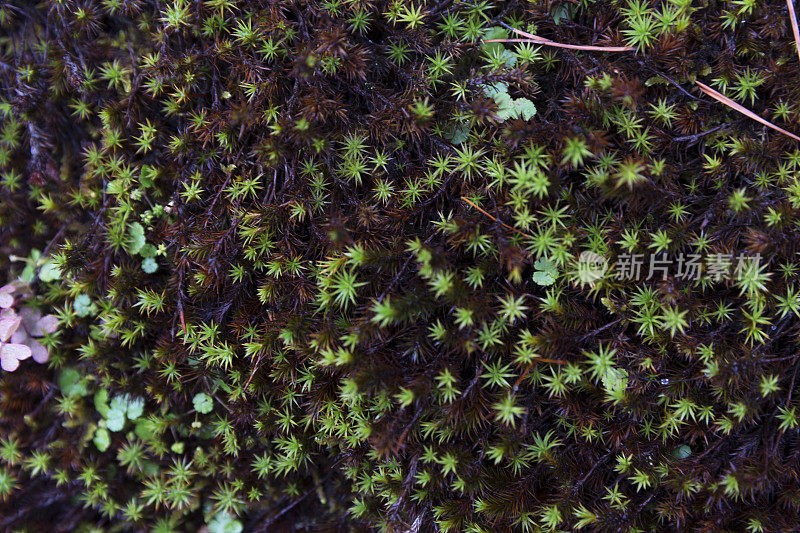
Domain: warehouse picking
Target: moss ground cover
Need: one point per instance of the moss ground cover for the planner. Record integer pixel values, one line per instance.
(353, 265)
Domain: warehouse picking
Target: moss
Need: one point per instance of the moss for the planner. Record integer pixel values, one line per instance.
(336, 265)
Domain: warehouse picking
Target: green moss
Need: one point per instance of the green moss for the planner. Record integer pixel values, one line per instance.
(344, 265)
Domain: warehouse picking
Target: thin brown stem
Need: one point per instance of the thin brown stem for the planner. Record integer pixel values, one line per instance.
(529, 37)
(547, 42)
(512, 228)
(719, 97)
(795, 29)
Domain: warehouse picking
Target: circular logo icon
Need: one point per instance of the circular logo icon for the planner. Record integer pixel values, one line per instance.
(591, 266)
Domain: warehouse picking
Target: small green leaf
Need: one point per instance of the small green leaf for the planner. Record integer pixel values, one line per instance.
(115, 419)
(504, 101)
(119, 403)
(546, 272)
(514, 108)
(509, 58)
(459, 134)
(525, 108)
(102, 439)
(135, 239)
(70, 383)
(29, 272)
(101, 402)
(148, 250)
(149, 265)
(543, 278)
(144, 430)
(509, 107)
(496, 89)
(149, 468)
(83, 305)
(49, 272)
(135, 406)
(682, 452)
(615, 380)
(203, 403)
(495, 32)
(225, 523)
(544, 263)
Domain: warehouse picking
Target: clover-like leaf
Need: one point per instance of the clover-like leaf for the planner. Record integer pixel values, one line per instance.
(45, 325)
(224, 523)
(12, 354)
(119, 403)
(101, 402)
(49, 272)
(102, 439)
(543, 278)
(148, 250)
(9, 323)
(515, 108)
(546, 272)
(39, 352)
(72, 383)
(83, 305)
(144, 429)
(525, 108)
(37, 325)
(496, 89)
(135, 407)
(135, 240)
(149, 265)
(203, 403)
(115, 419)
(7, 296)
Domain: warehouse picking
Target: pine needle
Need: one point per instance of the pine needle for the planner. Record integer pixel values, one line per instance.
(741, 109)
(529, 37)
(512, 228)
(795, 29)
